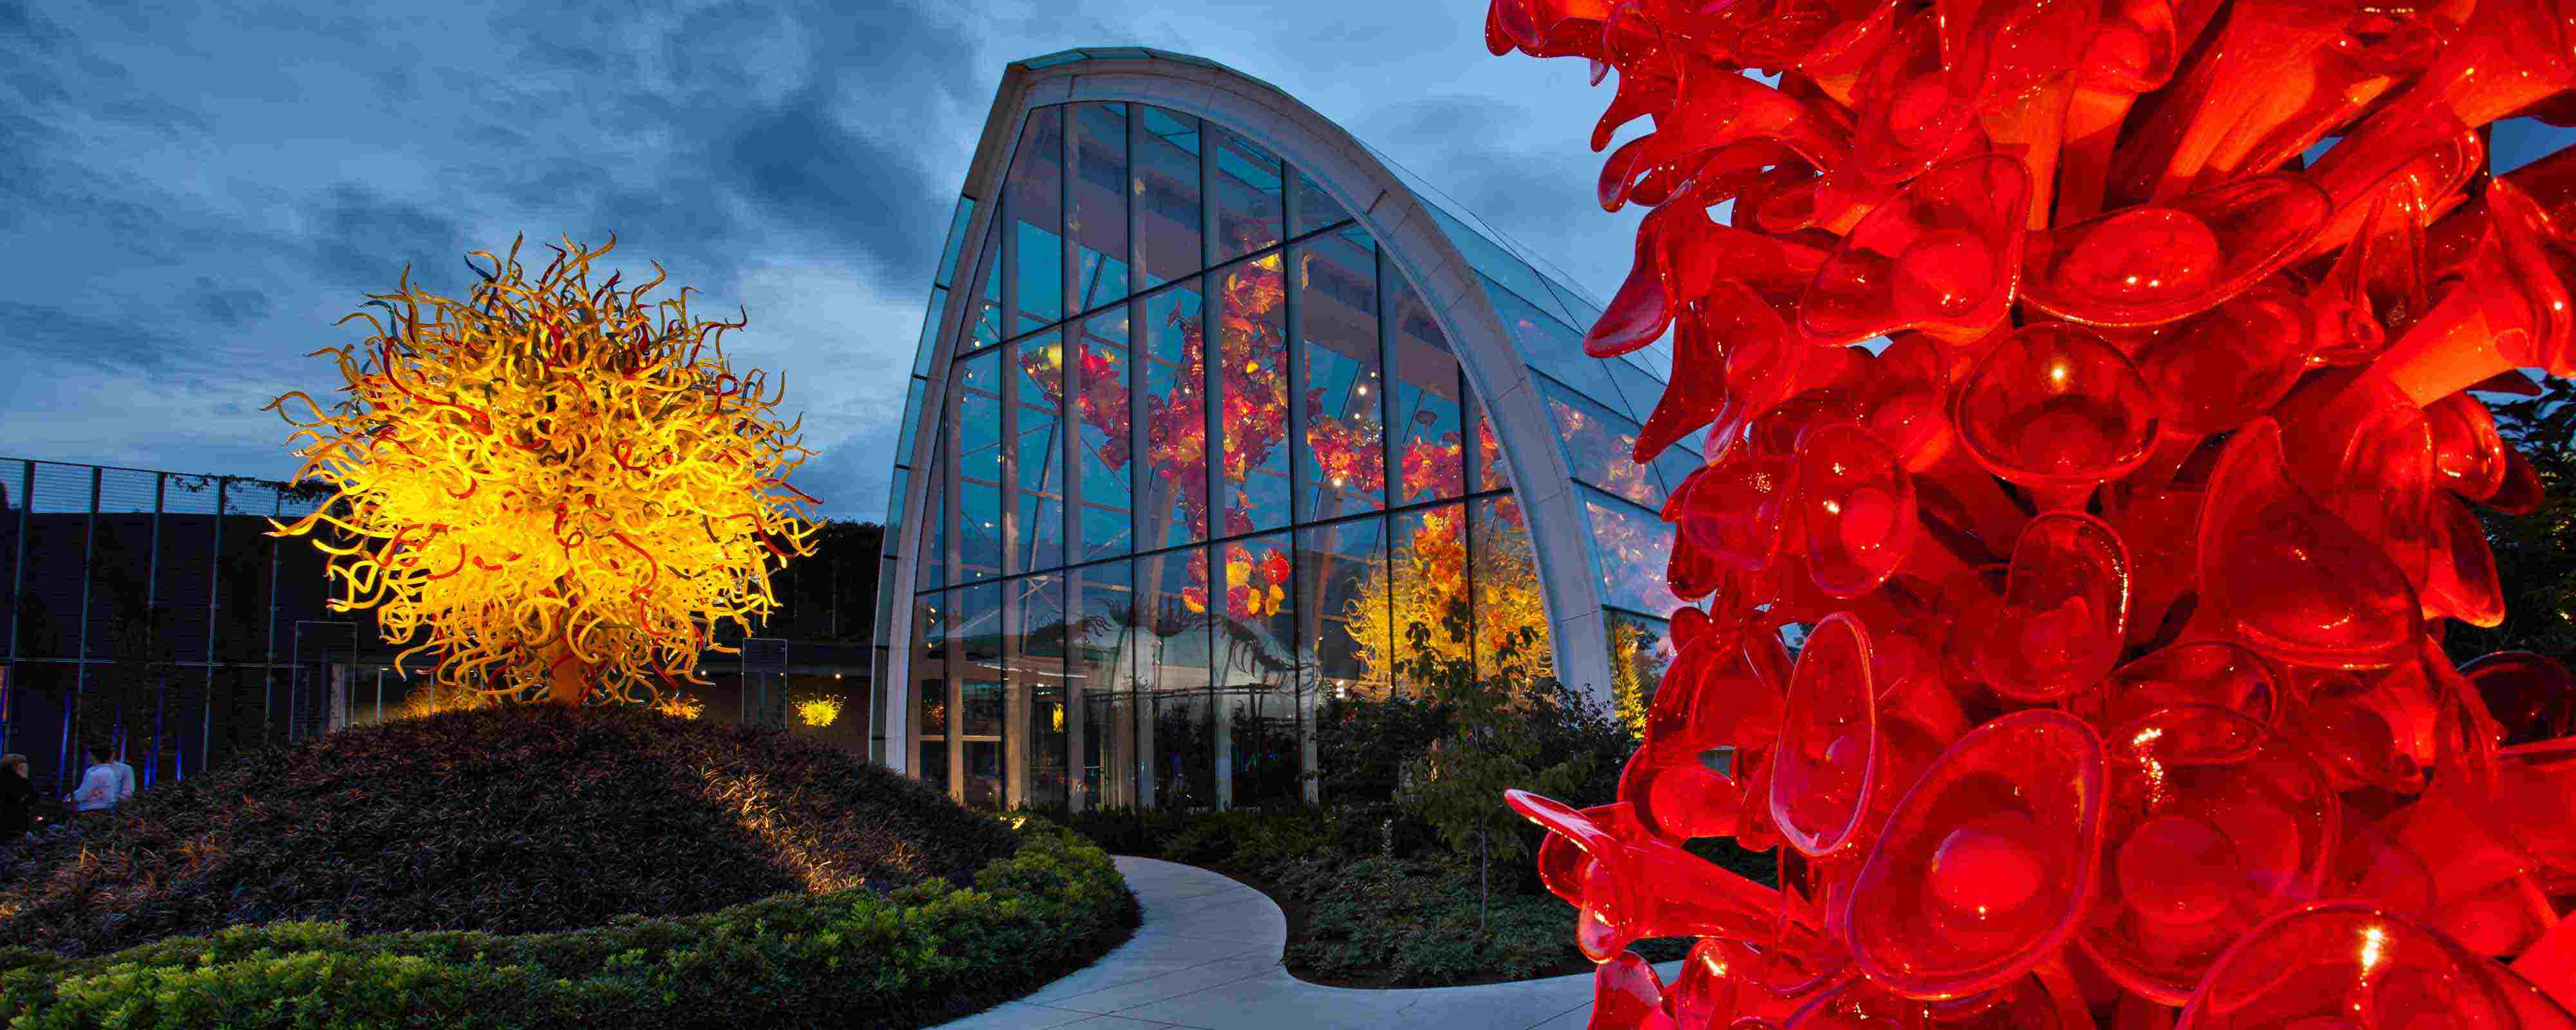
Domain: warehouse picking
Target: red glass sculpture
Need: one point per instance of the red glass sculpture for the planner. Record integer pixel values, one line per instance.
(2093, 394)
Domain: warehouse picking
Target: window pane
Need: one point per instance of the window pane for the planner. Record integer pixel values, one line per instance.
(1428, 598)
(1490, 473)
(933, 562)
(930, 670)
(956, 239)
(1315, 208)
(1630, 550)
(1100, 645)
(985, 322)
(1511, 610)
(1599, 446)
(1426, 404)
(1343, 645)
(1165, 185)
(983, 762)
(1036, 209)
(977, 402)
(1253, 348)
(982, 701)
(1183, 744)
(1256, 635)
(1037, 457)
(1106, 495)
(1345, 447)
(1247, 192)
(1038, 691)
(1176, 413)
(921, 354)
(1098, 220)
(1640, 650)
(1555, 350)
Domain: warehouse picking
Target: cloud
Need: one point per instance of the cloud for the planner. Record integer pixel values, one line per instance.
(194, 195)
(231, 305)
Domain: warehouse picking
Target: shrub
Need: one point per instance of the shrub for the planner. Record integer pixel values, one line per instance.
(919, 955)
(508, 820)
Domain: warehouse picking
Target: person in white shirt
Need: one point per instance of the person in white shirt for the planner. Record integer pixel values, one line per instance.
(105, 784)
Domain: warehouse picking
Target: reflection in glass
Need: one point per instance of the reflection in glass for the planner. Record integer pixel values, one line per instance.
(1428, 610)
(1511, 608)
(1253, 364)
(1100, 650)
(1036, 456)
(1098, 221)
(1344, 455)
(1176, 419)
(1316, 209)
(933, 769)
(1165, 185)
(933, 564)
(1553, 349)
(1426, 404)
(1183, 742)
(981, 699)
(1640, 650)
(978, 425)
(1342, 629)
(985, 321)
(1490, 473)
(1105, 445)
(1256, 663)
(1034, 201)
(1599, 445)
(1038, 688)
(931, 701)
(983, 782)
(1630, 549)
(1246, 178)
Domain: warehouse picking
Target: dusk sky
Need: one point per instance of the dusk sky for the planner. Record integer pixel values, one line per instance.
(190, 198)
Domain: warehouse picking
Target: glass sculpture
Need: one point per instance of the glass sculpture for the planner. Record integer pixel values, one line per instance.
(2086, 390)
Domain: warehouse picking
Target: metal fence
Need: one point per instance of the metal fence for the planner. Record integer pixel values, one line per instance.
(150, 613)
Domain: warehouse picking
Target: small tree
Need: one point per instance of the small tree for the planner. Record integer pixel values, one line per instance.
(1496, 742)
(564, 490)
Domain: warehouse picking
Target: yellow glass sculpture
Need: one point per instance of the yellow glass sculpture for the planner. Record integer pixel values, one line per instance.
(558, 490)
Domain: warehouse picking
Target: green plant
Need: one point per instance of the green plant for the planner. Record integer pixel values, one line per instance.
(920, 955)
(1492, 746)
(2535, 565)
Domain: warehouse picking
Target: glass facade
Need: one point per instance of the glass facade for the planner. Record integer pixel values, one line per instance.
(1220, 464)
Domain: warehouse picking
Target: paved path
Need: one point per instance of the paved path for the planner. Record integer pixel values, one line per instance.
(1208, 957)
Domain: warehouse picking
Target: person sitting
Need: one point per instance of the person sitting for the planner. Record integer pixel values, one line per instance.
(105, 784)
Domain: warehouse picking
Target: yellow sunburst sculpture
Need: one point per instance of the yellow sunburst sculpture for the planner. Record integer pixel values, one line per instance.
(819, 711)
(561, 490)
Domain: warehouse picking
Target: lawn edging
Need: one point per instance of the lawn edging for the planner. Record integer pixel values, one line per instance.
(915, 957)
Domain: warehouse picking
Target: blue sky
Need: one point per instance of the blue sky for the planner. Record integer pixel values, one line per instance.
(189, 198)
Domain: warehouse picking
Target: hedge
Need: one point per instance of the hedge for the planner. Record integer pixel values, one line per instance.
(918, 956)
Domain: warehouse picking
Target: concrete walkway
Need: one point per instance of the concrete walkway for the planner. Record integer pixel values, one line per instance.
(1208, 957)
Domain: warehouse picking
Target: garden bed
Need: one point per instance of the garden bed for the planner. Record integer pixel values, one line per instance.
(542, 868)
(1374, 901)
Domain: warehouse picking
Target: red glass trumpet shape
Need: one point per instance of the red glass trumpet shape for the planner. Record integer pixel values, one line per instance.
(1941, 257)
(2157, 263)
(2215, 823)
(2055, 407)
(1985, 867)
(1826, 761)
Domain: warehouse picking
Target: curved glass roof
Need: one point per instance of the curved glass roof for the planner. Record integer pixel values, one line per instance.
(1597, 405)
